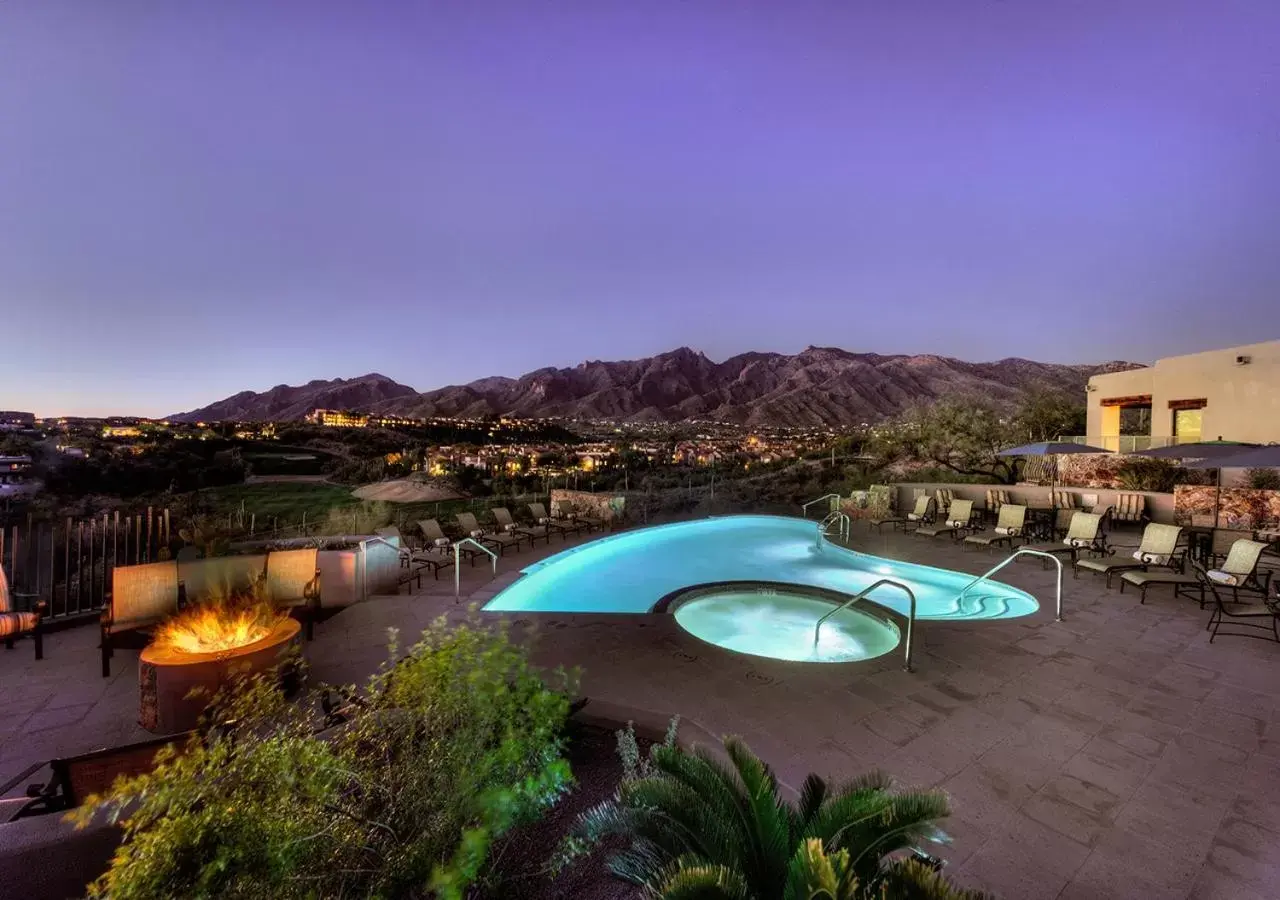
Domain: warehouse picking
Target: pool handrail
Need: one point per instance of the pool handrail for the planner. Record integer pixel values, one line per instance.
(911, 619)
(840, 516)
(804, 508)
(457, 562)
(1010, 558)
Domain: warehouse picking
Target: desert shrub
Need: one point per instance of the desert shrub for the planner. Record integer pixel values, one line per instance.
(1147, 474)
(1263, 479)
(440, 754)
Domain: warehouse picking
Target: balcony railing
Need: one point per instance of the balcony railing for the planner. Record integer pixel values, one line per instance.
(1122, 443)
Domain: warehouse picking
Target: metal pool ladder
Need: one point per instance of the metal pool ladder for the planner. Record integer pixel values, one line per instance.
(837, 517)
(1010, 558)
(911, 619)
(804, 509)
(457, 562)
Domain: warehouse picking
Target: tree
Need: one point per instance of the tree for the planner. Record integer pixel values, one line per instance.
(957, 434)
(701, 829)
(1047, 415)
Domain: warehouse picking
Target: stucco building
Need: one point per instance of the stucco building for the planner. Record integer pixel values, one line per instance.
(1232, 394)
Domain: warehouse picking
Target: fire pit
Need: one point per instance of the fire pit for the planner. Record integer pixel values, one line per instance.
(199, 648)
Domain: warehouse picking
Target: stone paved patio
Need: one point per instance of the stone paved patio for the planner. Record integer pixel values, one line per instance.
(1116, 754)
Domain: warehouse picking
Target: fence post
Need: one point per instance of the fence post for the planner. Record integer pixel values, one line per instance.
(79, 566)
(149, 534)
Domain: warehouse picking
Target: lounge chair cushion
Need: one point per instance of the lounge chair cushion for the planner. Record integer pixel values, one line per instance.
(12, 623)
(1221, 577)
(1151, 559)
(1007, 531)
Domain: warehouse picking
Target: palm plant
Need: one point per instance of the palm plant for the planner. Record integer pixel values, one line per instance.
(702, 829)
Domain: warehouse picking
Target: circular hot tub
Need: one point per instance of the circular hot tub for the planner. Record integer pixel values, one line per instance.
(779, 622)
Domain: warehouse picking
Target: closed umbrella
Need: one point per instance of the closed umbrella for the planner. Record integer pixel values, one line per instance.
(1207, 455)
(1054, 449)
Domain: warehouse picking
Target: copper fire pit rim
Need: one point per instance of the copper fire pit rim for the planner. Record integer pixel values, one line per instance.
(282, 632)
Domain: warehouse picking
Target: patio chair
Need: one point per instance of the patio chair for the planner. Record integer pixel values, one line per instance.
(16, 623)
(1084, 535)
(1184, 584)
(1159, 548)
(507, 523)
(565, 526)
(1130, 507)
(1010, 526)
(1239, 569)
(440, 547)
(1237, 613)
(499, 542)
(924, 512)
(571, 510)
(958, 519)
(293, 583)
(1065, 500)
(945, 498)
(141, 597)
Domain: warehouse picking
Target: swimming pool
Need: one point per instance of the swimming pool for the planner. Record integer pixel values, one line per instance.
(632, 571)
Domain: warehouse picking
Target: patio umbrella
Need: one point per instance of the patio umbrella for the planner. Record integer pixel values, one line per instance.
(1054, 449)
(1207, 453)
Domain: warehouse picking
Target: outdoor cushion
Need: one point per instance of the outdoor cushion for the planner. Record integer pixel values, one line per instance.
(12, 623)
(956, 523)
(1226, 578)
(1006, 530)
(1157, 559)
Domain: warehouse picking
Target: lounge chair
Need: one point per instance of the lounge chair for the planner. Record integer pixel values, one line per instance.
(499, 542)
(16, 623)
(1237, 613)
(924, 512)
(944, 498)
(1084, 535)
(1065, 500)
(508, 524)
(1184, 584)
(1239, 569)
(564, 526)
(1010, 525)
(440, 548)
(1159, 548)
(958, 519)
(415, 559)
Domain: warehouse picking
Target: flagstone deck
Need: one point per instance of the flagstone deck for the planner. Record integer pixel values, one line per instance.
(1114, 755)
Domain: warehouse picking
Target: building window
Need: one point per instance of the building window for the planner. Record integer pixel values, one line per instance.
(1187, 424)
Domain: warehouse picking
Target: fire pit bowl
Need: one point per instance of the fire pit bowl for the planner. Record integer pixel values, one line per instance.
(167, 674)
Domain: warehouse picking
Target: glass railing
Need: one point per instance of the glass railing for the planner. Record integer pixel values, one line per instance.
(1121, 443)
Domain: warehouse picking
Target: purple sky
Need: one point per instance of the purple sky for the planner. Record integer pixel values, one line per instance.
(199, 198)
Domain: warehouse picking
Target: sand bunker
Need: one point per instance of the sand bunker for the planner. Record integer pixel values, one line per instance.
(406, 491)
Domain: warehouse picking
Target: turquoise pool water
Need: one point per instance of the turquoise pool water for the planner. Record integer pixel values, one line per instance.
(780, 624)
(630, 572)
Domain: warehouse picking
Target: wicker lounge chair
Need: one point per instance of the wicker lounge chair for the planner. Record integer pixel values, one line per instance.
(1010, 526)
(507, 523)
(958, 519)
(499, 542)
(1084, 535)
(924, 512)
(1159, 548)
(16, 623)
(565, 526)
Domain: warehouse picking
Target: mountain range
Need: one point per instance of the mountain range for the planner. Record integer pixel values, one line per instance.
(821, 385)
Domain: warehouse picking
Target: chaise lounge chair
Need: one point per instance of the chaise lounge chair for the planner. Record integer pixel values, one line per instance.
(440, 548)
(1010, 525)
(14, 623)
(1236, 613)
(1239, 570)
(995, 499)
(925, 511)
(499, 542)
(415, 559)
(563, 526)
(507, 523)
(959, 519)
(1159, 547)
(1084, 535)
(1130, 508)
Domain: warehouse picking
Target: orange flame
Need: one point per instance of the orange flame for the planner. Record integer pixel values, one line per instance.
(211, 627)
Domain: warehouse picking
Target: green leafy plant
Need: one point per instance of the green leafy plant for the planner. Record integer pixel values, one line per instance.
(1263, 479)
(700, 828)
(439, 755)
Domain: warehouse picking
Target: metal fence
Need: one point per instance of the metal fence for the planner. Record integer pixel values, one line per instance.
(68, 563)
